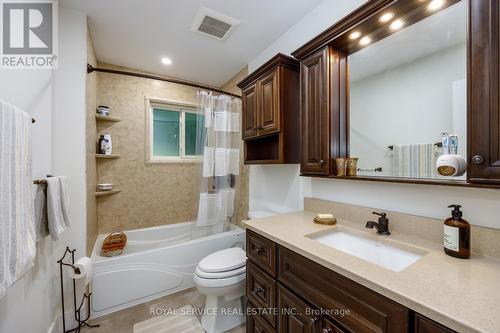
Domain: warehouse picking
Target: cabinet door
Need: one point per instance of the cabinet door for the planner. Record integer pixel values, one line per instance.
(256, 323)
(484, 92)
(249, 111)
(269, 112)
(330, 327)
(315, 114)
(294, 316)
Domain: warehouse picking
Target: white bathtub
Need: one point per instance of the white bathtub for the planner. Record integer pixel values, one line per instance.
(156, 262)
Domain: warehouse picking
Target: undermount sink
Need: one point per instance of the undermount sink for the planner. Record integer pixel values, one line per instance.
(375, 251)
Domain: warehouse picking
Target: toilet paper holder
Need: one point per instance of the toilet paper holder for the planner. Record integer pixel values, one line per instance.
(86, 296)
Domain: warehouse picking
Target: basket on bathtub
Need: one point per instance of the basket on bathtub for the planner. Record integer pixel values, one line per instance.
(114, 244)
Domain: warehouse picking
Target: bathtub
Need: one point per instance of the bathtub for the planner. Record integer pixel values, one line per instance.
(156, 262)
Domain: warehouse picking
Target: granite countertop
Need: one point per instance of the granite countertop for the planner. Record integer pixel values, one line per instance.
(463, 295)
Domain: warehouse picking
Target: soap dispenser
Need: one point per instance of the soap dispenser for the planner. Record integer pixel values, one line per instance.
(456, 236)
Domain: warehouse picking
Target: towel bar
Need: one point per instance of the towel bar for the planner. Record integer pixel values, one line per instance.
(39, 182)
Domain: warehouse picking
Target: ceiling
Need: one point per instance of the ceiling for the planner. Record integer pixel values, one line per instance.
(440, 31)
(138, 33)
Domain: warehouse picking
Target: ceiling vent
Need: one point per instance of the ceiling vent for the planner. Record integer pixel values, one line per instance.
(213, 24)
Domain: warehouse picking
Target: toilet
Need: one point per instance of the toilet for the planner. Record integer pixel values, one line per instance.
(221, 277)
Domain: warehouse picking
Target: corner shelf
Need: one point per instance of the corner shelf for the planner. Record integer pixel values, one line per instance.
(106, 193)
(103, 156)
(107, 118)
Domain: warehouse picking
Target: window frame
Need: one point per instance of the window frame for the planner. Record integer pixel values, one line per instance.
(167, 105)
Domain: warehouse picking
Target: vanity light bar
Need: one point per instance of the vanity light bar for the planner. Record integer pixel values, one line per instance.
(395, 24)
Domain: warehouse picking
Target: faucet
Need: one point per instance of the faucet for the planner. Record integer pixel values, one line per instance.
(382, 226)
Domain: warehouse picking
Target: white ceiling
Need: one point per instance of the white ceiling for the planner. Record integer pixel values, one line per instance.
(138, 33)
(433, 34)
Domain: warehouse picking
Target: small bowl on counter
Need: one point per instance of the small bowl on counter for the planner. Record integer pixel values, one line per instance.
(104, 187)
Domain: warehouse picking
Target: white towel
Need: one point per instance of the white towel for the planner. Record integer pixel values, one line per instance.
(17, 223)
(57, 210)
(63, 183)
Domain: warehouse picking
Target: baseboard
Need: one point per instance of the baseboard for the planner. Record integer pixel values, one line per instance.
(56, 326)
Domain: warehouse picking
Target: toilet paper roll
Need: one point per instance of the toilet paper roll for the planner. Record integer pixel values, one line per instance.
(84, 266)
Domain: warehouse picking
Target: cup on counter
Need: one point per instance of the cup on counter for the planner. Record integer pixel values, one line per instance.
(341, 164)
(352, 166)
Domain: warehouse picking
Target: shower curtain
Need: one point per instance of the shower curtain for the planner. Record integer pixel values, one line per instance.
(218, 138)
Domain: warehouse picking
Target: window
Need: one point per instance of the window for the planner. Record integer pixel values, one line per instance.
(173, 133)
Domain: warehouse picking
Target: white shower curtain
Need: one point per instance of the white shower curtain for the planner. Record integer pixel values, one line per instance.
(219, 138)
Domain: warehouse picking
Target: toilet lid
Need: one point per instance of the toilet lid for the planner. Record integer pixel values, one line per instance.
(223, 261)
(220, 275)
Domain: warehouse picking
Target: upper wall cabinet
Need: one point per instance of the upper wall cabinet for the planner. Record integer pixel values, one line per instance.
(270, 119)
(402, 87)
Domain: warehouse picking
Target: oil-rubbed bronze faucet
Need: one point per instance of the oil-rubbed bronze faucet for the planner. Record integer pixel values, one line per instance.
(382, 226)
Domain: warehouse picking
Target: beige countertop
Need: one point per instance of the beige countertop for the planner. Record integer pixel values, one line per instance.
(463, 295)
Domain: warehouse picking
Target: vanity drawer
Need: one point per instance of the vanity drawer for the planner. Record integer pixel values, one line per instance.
(425, 325)
(257, 323)
(330, 327)
(261, 291)
(262, 252)
(369, 312)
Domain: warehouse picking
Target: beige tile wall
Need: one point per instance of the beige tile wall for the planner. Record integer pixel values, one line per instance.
(91, 132)
(152, 194)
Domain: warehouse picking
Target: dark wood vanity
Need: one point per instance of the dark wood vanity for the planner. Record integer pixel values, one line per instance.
(288, 293)
(270, 100)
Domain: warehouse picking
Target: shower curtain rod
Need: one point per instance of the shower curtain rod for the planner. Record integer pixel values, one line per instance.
(91, 69)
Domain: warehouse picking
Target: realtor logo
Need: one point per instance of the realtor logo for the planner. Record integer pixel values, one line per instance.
(29, 34)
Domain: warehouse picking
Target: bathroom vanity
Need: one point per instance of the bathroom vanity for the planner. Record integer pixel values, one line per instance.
(298, 283)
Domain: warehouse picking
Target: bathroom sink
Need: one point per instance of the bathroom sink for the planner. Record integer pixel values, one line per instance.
(373, 250)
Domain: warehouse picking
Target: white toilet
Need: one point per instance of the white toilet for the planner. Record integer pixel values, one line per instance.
(221, 277)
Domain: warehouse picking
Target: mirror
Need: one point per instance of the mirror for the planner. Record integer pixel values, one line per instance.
(405, 91)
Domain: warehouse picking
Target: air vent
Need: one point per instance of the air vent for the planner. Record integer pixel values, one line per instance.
(213, 24)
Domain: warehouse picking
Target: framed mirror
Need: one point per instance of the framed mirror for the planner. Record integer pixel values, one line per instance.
(408, 93)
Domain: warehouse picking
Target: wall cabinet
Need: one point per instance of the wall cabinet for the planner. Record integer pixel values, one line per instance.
(270, 112)
(323, 76)
(310, 298)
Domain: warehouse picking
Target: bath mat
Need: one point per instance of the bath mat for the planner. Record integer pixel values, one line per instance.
(183, 321)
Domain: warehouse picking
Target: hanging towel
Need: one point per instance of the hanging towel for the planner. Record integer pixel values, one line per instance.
(57, 210)
(17, 223)
(41, 220)
(414, 160)
(233, 161)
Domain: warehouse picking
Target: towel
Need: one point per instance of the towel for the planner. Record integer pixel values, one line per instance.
(41, 220)
(415, 160)
(57, 206)
(17, 222)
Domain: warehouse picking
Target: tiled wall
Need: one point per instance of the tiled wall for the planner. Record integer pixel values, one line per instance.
(151, 194)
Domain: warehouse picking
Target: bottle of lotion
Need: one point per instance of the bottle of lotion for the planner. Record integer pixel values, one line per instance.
(456, 237)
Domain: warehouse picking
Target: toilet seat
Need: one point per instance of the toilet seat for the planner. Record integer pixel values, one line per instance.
(226, 260)
(219, 283)
(220, 275)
